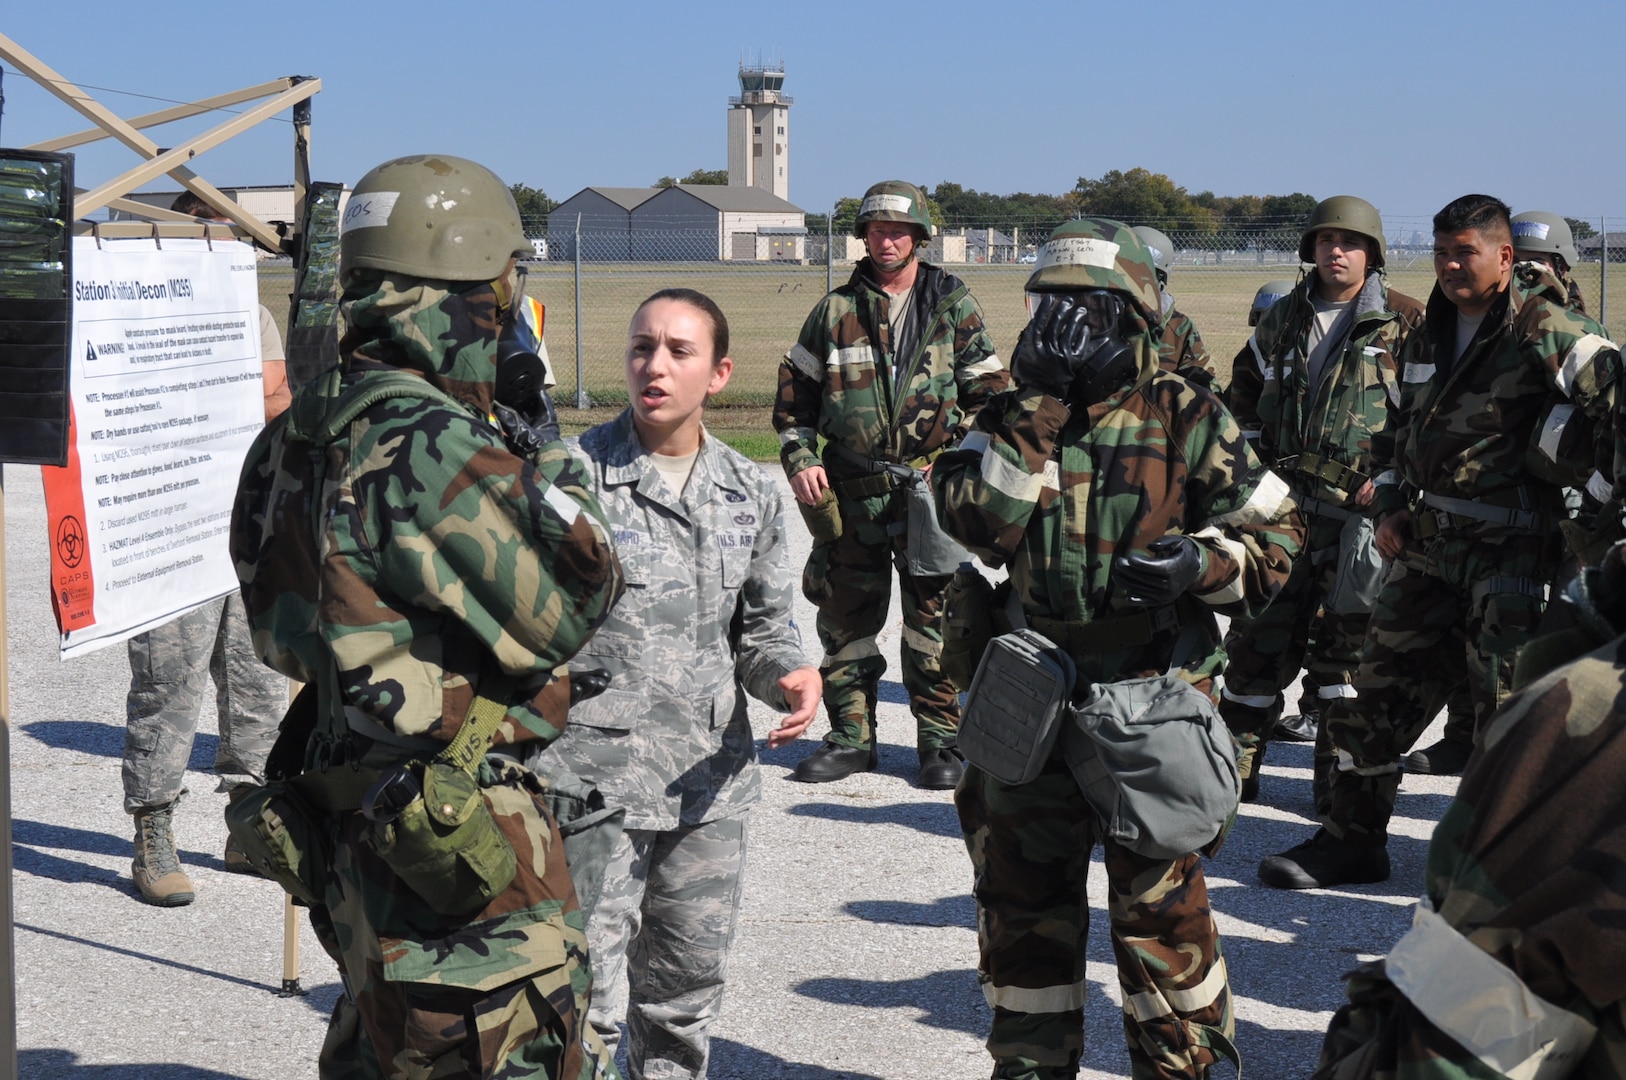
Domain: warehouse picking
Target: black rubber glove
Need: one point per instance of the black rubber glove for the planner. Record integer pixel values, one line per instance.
(1052, 348)
(1169, 567)
(588, 684)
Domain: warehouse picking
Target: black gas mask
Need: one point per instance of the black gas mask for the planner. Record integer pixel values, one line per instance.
(521, 402)
(1074, 347)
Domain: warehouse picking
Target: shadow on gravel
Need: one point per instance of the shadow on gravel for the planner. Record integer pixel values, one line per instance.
(107, 740)
(52, 1062)
(28, 835)
(735, 1061)
(947, 911)
(136, 954)
(949, 999)
(934, 818)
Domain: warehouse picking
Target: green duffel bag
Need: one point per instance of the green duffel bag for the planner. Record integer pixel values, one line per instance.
(1155, 762)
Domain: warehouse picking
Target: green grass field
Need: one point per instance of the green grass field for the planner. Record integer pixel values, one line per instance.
(766, 304)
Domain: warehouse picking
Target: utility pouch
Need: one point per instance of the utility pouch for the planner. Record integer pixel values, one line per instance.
(1014, 711)
(1156, 764)
(1358, 577)
(444, 843)
(929, 551)
(590, 830)
(823, 518)
(968, 625)
(282, 838)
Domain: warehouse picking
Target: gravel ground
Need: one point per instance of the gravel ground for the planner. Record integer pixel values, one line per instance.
(857, 953)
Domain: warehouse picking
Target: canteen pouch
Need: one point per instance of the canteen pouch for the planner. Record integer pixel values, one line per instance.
(928, 550)
(1156, 764)
(281, 837)
(1358, 577)
(444, 844)
(1014, 711)
(823, 518)
(968, 625)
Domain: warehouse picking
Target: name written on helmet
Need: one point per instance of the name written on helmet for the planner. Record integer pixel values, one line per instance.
(1078, 251)
(1535, 230)
(873, 204)
(368, 211)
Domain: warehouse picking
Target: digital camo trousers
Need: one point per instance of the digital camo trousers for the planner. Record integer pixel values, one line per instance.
(1465, 619)
(850, 581)
(660, 937)
(1030, 852)
(170, 666)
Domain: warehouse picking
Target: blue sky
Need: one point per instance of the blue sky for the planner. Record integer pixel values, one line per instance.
(1407, 104)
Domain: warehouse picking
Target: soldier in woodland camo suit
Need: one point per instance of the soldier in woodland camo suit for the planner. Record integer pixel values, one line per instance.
(1525, 899)
(426, 552)
(889, 368)
(1181, 349)
(1467, 516)
(1313, 389)
(705, 620)
(1128, 508)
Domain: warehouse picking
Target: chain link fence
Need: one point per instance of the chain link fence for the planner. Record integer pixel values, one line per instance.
(767, 279)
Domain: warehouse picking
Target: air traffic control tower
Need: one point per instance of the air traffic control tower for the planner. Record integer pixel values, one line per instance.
(758, 147)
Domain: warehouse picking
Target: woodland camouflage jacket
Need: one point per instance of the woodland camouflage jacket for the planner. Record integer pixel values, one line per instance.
(1346, 418)
(1055, 497)
(417, 552)
(845, 381)
(1466, 427)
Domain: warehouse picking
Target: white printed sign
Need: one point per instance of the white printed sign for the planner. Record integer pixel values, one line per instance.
(166, 394)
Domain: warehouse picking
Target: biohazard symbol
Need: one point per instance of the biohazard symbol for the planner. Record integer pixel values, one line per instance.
(70, 541)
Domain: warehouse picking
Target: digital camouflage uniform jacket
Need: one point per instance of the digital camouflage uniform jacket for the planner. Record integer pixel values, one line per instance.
(1466, 427)
(706, 619)
(1056, 497)
(1181, 349)
(1345, 421)
(844, 382)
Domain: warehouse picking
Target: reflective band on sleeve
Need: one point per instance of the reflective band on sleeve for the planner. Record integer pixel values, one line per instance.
(805, 362)
(797, 434)
(1416, 373)
(1232, 591)
(1334, 692)
(986, 366)
(1394, 392)
(1599, 486)
(1580, 355)
(1252, 701)
(1000, 474)
(917, 642)
(1552, 432)
(1266, 371)
(854, 650)
(851, 354)
(1078, 251)
(1262, 506)
(976, 442)
(1483, 1004)
(562, 504)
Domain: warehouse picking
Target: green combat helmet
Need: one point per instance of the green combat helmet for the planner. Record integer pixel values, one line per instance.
(1099, 253)
(1350, 214)
(1548, 234)
(893, 200)
(1162, 249)
(431, 216)
(1268, 294)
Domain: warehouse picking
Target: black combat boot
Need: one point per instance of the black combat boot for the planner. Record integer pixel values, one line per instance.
(1323, 861)
(940, 768)
(833, 761)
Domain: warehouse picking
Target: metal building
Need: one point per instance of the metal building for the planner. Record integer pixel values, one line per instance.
(710, 221)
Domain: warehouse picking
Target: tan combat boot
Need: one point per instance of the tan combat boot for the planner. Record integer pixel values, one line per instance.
(157, 869)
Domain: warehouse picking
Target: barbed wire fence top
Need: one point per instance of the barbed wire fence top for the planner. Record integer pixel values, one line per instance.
(767, 277)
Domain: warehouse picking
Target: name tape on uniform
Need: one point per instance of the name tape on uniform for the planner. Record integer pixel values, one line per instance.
(1078, 251)
(898, 204)
(368, 211)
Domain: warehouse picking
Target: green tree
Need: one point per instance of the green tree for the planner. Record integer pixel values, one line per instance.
(666, 181)
(534, 206)
(1140, 196)
(715, 177)
(1580, 228)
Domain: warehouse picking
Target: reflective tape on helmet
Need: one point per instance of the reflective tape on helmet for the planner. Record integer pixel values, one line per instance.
(876, 204)
(1535, 230)
(369, 211)
(1483, 1004)
(1078, 251)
